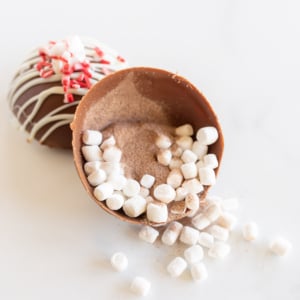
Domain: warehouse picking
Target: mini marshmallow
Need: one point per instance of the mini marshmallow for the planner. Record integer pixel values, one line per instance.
(206, 239)
(210, 161)
(189, 235)
(199, 272)
(164, 157)
(115, 201)
(199, 149)
(109, 142)
(207, 135)
(164, 192)
(163, 142)
(193, 186)
(207, 176)
(144, 192)
(213, 212)
(200, 164)
(175, 163)
(91, 166)
(176, 150)
(176, 267)
(200, 221)
(140, 286)
(250, 231)
(189, 156)
(117, 180)
(112, 154)
(92, 137)
(148, 234)
(131, 188)
(193, 254)
(189, 170)
(119, 261)
(96, 177)
(103, 191)
(135, 206)
(181, 193)
(280, 246)
(213, 199)
(147, 181)
(186, 129)
(219, 250)
(192, 201)
(157, 212)
(112, 168)
(175, 178)
(227, 220)
(230, 204)
(91, 153)
(219, 233)
(171, 234)
(185, 142)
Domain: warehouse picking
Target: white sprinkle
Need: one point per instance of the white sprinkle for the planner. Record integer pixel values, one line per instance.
(192, 186)
(131, 188)
(186, 129)
(199, 149)
(109, 142)
(112, 154)
(219, 250)
(157, 212)
(97, 177)
(199, 272)
(213, 212)
(189, 170)
(164, 192)
(135, 206)
(119, 261)
(91, 153)
(115, 201)
(147, 181)
(206, 239)
(211, 161)
(192, 201)
(207, 135)
(91, 166)
(176, 267)
(164, 157)
(181, 193)
(250, 231)
(189, 235)
(148, 234)
(163, 142)
(140, 286)
(193, 254)
(171, 233)
(200, 221)
(103, 191)
(207, 176)
(280, 246)
(230, 204)
(188, 156)
(219, 232)
(185, 142)
(227, 220)
(175, 178)
(92, 137)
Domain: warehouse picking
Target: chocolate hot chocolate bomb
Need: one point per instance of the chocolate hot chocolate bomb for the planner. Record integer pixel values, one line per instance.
(52, 80)
(131, 104)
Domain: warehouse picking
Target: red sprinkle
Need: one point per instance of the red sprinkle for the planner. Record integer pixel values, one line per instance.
(99, 52)
(120, 59)
(104, 61)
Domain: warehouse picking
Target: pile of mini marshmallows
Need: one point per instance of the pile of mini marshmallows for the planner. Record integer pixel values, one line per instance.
(191, 168)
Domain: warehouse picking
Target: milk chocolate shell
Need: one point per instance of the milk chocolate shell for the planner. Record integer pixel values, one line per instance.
(50, 83)
(141, 95)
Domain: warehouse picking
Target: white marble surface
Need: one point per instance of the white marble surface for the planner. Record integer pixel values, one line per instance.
(245, 57)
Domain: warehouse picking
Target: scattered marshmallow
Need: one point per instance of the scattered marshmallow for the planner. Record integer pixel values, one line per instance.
(117, 180)
(97, 177)
(91, 153)
(175, 178)
(199, 272)
(280, 246)
(230, 204)
(163, 142)
(210, 161)
(164, 192)
(140, 286)
(176, 267)
(192, 201)
(219, 233)
(199, 149)
(147, 181)
(175, 163)
(200, 221)
(112, 154)
(219, 250)
(193, 254)
(115, 201)
(119, 261)
(103, 191)
(135, 206)
(183, 130)
(171, 233)
(227, 220)
(185, 142)
(193, 186)
(250, 231)
(181, 193)
(109, 142)
(213, 212)
(164, 157)
(148, 234)
(92, 137)
(207, 176)
(206, 239)
(157, 212)
(144, 192)
(189, 235)
(189, 156)
(189, 170)
(91, 166)
(131, 188)
(207, 135)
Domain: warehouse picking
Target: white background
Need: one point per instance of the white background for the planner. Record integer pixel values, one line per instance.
(55, 242)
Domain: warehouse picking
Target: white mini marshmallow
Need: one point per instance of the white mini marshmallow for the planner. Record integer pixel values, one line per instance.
(131, 188)
(280, 246)
(189, 170)
(135, 206)
(177, 266)
(206, 239)
(250, 231)
(119, 261)
(117, 180)
(109, 142)
(91, 166)
(181, 193)
(103, 191)
(207, 135)
(192, 201)
(213, 212)
(163, 142)
(92, 137)
(200, 221)
(230, 204)
(186, 129)
(207, 176)
(193, 254)
(227, 220)
(199, 149)
(199, 272)
(157, 212)
(112, 154)
(115, 201)
(189, 156)
(219, 233)
(148, 234)
(189, 235)
(175, 178)
(176, 150)
(96, 177)
(147, 181)
(184, 142)
(175, 163)
(171, 233)
(140, 286)
(210, 161)
(164, 192)
(112, 168)
(219, 250)
(144, 192)
(91, 153)
(193, 186)
(164, 157)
